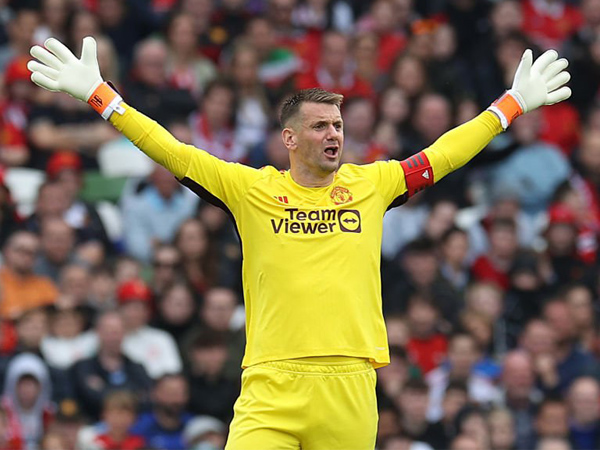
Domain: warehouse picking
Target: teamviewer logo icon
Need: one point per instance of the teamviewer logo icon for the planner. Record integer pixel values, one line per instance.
(349, 220)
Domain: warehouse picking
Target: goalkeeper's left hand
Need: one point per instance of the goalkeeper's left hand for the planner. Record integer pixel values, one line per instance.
(535, 84)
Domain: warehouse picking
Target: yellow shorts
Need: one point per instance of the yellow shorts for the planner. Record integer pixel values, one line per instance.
(308, 404)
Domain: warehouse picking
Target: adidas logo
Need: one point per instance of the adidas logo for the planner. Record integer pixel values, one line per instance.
(426, 174)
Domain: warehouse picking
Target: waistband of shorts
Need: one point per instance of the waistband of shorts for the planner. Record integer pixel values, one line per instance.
(334, 365)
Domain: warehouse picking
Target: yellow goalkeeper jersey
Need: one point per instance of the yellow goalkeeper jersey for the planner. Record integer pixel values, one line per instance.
(311, 256)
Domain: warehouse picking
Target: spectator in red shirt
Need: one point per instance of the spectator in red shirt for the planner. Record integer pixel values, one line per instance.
(335, 71)
(426, 346)
(495, 264)
(550, 22)
(119, 414)
(14, 111)
(389, 22)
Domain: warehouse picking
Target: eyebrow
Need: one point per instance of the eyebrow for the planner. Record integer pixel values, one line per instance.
(325, 122)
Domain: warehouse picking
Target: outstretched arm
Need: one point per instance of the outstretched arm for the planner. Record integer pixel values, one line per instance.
(535, 84)
(58, 70)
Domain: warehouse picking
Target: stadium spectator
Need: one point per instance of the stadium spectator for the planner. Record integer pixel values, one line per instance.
(454, 247)
(154, 212)
(10, 219)
(584, 412)
(204, 432)
(391, 378)
(154, 349)
(163, 427)
(14, 113)
(551, 420)
(412, 404)
(580, 300)
(68, 340)
(502, 429)
(21, 30)
(186, 68)
(253, 109)
(82, 216)
(359, 145)
(217, 314)
(27, 396)
(427, 345)
(176, 312)
(335, 71)
(20, 287)
(518, 170)
(463, 354)
(51, 202)
(57, 245)
(553, 444)
(93, 378)
(54, 17)
(520, 395)
(472, 421)
(213, 125)
(148, 84)
(198, 264)
(74, 284)
(455, 399)
(119, 412)
(278, 64)
(496, 263)
(211, 392)
(571, 361)
(464, 442)
(420, 273)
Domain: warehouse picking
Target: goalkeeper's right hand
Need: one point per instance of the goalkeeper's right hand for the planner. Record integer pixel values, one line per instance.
(58, 70)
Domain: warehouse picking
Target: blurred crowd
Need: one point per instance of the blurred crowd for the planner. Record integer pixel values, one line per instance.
(131, 336)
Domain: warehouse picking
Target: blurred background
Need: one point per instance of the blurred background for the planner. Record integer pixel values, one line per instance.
(121, 313)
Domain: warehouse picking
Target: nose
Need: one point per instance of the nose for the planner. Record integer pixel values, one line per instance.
(332, 132)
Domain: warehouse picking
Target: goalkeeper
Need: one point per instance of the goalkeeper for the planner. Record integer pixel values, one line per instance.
(311, 240)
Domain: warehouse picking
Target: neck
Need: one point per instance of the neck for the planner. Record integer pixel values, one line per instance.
(110, 361)
(307, 178)
(117, 435)
(167, 421)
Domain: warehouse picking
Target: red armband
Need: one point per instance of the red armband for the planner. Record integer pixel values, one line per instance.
(417, 172)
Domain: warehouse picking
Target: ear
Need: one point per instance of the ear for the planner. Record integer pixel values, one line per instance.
(289, 138)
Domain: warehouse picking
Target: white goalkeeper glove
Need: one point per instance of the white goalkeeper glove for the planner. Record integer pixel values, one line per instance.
(535, 84)
(58, 70)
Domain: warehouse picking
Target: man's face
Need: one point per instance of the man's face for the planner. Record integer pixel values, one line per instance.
(110, 331)
(171, 395)
(20, 253)
(315, 138)
(462, 354)
(219, 306)
(584, 401)
(57, 241)
(218, 106)
(415, 403)
(553, 421)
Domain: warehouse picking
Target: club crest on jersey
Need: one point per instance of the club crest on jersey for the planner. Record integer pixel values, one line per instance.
(340, 195)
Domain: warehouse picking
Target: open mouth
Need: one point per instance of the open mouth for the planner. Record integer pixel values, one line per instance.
(331, 151)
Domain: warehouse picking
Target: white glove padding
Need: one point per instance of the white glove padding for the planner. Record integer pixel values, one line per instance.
(60, 71)
(541, 82)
